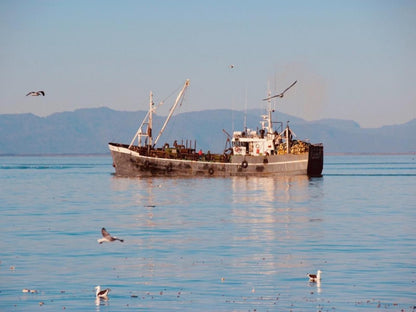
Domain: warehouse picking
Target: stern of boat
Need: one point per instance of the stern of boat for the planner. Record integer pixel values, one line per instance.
(315, 160)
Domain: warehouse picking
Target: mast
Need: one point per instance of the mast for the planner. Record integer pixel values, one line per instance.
(178, 98)
(269, 119)
(148, 120)
(150, 123)
(288, 138)
(269, 111)
(139, 132)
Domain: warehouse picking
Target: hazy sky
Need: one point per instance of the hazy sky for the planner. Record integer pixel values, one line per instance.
(352, 59)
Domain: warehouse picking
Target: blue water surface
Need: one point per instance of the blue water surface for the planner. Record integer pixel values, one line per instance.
(208, 244)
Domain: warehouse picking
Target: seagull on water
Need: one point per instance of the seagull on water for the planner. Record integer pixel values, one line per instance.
(107, 237)
(36, 93)
(26, 290)
(315, 277)
(101, 294)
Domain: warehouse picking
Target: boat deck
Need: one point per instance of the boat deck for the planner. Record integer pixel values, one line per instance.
(179, 152)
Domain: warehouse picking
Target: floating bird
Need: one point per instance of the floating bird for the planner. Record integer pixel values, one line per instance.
(36, 93)
(107, 237)
(101, 294)
(315, 277)
(231, 66)
(280, 94)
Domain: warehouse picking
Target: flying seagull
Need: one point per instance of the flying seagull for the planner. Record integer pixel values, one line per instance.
(107, 237)
(315, 277)
(101, 293)
(36, 93)
(280, 94)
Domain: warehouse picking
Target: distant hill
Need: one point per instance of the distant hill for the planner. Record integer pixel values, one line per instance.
(87, 131)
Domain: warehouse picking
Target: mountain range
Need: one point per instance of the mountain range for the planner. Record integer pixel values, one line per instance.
(87, 131)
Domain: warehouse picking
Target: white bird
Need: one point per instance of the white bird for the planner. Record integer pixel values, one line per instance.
(280, 94)
(314, 277)
(107, 237)
(36, 93)
(101, 293)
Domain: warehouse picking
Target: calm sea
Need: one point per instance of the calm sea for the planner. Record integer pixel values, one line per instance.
(208, 244)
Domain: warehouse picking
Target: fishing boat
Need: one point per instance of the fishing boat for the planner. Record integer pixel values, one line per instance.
(262, 152)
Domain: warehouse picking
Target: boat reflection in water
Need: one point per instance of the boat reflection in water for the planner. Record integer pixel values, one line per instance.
(242, 219)
(270, 189)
